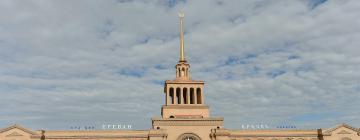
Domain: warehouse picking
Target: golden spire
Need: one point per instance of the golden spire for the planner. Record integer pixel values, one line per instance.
(181, 16)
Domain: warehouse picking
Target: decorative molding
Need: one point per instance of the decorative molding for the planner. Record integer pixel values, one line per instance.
(344, 132)
(188, 122)
(186, 106)
(183, 82)
(95, 137)
(329, 131)
(14, 134)
(262, 135)
(158, 133)
(183, 136)
(18, 127)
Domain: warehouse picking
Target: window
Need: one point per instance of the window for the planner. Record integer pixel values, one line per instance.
(198, 95)
(189, 136)
(185, 101)
(192, 101)
(178, 97)
(171, 93)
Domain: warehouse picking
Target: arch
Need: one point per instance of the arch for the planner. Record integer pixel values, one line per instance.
(182, 72)
(172, 116)
(198, 96)
(185, 101)
(178, 95)
(192, 96)
(188, 136)
(171, 94)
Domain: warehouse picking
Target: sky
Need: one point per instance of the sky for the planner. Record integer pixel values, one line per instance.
(91, 62)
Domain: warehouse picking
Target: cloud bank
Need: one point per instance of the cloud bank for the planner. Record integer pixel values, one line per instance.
(78, 63)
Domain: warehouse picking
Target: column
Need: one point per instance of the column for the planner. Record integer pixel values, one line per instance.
(195, 96)
(181, 96)
(167, 96)
(202, 96)
(188, 95)
(174, 96)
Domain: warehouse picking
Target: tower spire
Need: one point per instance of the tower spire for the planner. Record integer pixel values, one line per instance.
(182, 56)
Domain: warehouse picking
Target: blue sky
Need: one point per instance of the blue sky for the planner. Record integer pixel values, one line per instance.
(81, 63)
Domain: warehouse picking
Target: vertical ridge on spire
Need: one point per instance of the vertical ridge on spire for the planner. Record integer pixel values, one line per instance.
(182, 55)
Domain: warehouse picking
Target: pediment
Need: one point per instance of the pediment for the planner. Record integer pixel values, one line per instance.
(343, 132)
(342, 129)
(17, 127)
(14, 134)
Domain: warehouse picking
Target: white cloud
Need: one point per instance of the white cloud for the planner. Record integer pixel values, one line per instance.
(94, 62)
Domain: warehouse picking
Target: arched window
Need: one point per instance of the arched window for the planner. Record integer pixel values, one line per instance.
(198, 96)
(189, 136)
(178, 95)
(171, 94)
(185, 101)
(182, 72)
(192, 96)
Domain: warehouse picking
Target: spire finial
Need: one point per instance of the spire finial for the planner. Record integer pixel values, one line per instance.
(181, 16)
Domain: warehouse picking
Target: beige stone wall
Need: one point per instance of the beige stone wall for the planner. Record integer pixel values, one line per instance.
(177, 111)
(170, 129)
(97, 135)
(174, 132)
(274, 135)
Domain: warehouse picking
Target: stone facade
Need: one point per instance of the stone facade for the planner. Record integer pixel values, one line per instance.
(185, 116)
(182, 129)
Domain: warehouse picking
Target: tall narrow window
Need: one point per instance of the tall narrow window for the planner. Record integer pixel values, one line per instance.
(192, 96)
(198, 93)
(178, 95)
(182, 72)
(185, 101)
(171, 94)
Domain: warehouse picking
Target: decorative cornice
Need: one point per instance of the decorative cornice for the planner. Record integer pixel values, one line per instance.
(183, 82)
(187, 122)
(18, 127)
(14, 134)
(220, 132)
(329, 131)
(276, 135)
(158, 133)
(186, 106)
(344, 132)
(92, 137)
